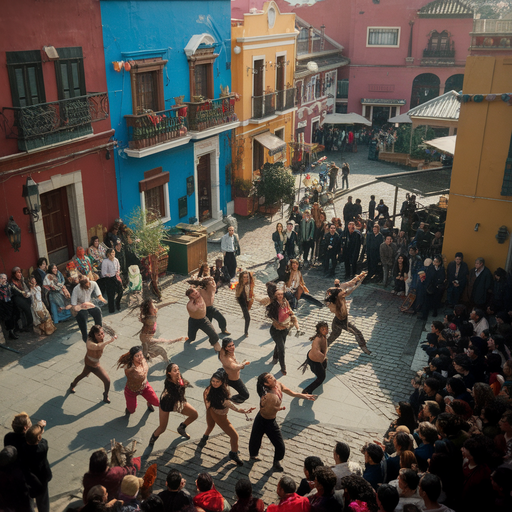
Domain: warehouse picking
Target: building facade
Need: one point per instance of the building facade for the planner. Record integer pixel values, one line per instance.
(55, 131)
(168, 66)
(263, 53)
(479, 218)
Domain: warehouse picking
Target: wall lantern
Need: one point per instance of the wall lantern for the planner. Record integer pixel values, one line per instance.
(502, 234)
(13, 232)
(31, 195)
(237, 50)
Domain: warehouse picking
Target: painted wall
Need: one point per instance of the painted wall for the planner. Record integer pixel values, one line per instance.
(164, 27)
(483, 140)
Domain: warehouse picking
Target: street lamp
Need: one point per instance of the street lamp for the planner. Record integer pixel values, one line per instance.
(13, 232)
(31, 195)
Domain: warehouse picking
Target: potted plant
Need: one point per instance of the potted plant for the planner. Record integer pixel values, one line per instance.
(275, 187)
(242, 193)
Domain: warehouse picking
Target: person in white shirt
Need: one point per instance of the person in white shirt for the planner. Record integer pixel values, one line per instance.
(343, 467)
(111, 278)
(230, 246)
(478, 320)
(430, 490)
(82, 305)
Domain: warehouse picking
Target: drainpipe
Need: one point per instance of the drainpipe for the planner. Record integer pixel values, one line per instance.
(409, 50)
(310, 40)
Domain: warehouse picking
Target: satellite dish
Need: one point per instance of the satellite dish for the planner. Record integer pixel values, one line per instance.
(312, 66)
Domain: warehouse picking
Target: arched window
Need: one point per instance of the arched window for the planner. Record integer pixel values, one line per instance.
(424, 88)
(454, 83)
(439, 45)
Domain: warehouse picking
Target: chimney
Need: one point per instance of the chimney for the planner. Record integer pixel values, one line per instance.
(310, 40)
(322, 38)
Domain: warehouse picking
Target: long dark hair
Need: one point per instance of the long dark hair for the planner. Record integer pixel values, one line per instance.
(217, 396)
(95, 329)
(273, 308)
(176, 391)
(145, 306)
(261, 386)
(319, 325)
(407, 416)
(126, 360)
(93, 239)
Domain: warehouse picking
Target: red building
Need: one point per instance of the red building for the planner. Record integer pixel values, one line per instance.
(54, 129)
(402, 52)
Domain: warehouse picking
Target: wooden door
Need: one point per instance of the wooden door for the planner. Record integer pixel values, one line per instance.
(204, 188)
(57, 226)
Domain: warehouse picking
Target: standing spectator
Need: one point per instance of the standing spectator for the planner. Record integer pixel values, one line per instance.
(434, 286)
(20, 294)
(331, 245)
(358, 209)
(387, 498)
(345, 171)
(83, 307)
(343, 467)
(387, 252)
(20, 424)
(296, 216)
(373, 242)
(246, 502)
(479, 284)
(457, 277)
(289, 500)
(402, 242)
(436, 246)
(291, 244)
(415, 265)
(400, 274)
(382, 209)
(333, 175)
(14, 488)
(307, 236)
(8, 311)
(348, 210)
(111, 275)
(230, 247)
(310, 464)
(371, 207)
(423, 240)
(350, 249)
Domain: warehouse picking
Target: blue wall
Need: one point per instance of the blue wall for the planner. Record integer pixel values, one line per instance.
(166, 27)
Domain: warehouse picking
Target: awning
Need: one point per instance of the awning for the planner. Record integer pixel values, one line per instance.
(351, 118)
(429, 182)
(444, 144)
(383, 101)
(273, 143)
(402, 118)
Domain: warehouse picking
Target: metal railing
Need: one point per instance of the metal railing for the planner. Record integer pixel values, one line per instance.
(285, 99)
(488, 26)
(211, 113)
(428, 52)
(264, 106)
(151, 128)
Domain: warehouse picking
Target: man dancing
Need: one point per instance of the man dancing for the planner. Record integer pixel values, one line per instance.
(336, 301)
(198, 320)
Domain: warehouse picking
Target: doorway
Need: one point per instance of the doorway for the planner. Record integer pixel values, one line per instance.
(204, 187)
(57, 225)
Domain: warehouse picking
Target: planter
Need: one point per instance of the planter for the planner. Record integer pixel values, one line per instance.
(269, 209)
(244, 206)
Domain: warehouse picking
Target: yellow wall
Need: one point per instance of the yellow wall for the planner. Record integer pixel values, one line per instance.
(265, 43)
(483, 140)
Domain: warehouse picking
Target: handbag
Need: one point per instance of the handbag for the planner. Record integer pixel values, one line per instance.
(237, 246)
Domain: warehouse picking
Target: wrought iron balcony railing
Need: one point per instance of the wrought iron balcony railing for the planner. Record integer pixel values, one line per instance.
(285, 99)
(149, 129)
(264, 106)
(208, 114)
(428, 52)
(56, 121)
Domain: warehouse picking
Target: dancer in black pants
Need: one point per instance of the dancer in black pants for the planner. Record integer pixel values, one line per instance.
(244, 293)
(271, 392)
(317, 356)
(232, 368)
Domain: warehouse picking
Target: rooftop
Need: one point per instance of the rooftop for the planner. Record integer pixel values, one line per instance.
(446, 9)
(446, 106)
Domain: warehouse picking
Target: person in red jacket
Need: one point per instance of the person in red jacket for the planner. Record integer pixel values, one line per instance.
(289, 500)
(207, 497)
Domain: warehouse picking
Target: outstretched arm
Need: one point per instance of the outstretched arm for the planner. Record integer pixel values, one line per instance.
(288, 391)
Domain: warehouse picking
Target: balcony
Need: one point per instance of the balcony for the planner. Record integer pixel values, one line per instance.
(154, 132)
(438, 57)
(492, 35)
(264, 106)
(209, 117)
(40, 125)
(285, 99)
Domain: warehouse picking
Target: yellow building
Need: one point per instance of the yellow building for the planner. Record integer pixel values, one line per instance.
(263, 65)
(481, 184)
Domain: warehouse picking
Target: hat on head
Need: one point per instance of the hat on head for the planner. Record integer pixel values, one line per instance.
(427, 262)
(130, 485)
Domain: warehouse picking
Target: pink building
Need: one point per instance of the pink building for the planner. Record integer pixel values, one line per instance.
(402, 52)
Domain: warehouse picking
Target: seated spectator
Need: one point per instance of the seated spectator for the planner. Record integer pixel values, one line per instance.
(310, 464)
(431, 388)
(428, 435)
(408, 460)
(401, 442)
(430, 411)
(457, 390)
(504, 441)
(289, 500)
(490, 418)
(97, 499)
(437, 370)
(356, 488)
(430, 491)
(453, 427)
(58, 295)
(152, 504)
(14, 487)
(110, 478)
(326, 498)
(462, 365)
(246, 502)
(40, 272)
(478, 320)
(373, 471)
(175, 497)
(387, 498)
(408, 481)
(129, 493)
(343, 467)
(501, 480)
(208, 498)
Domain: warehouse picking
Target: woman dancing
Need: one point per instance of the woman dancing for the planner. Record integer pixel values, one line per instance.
(244, 293)
(217, 402)
(295, 286)
(173, 399)
(283, 318)
(95, 346)
(232, 368)
(317, 356)
(150, 347)
(271, 392)
(136, 371)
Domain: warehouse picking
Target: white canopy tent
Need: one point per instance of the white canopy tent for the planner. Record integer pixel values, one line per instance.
(402, 118)
(444, 144)
(351, 118)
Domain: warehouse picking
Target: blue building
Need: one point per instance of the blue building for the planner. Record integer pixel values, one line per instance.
(168, 69)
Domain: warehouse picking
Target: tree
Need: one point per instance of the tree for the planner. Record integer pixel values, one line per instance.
(276, 185)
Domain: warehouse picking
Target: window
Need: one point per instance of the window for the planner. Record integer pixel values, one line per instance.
(388, 37)
(439, 41)
(26, 78)
(147, 85)
(298, 96)
(201, 80)
(506, 189)
(69, 71)
(155, 194)
(318, 87)
(201, 73)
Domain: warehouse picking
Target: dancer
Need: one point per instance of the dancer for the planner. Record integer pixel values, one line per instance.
(150, 345)
(136, 371)
(217, 402)
(244, 293)
(196, 308)
(271, 392)
(208, 291)
(232, 368)
(95, 346)
(317, 357)
(336, 301)
(173, 399)
(283, 318)
(296, 287)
